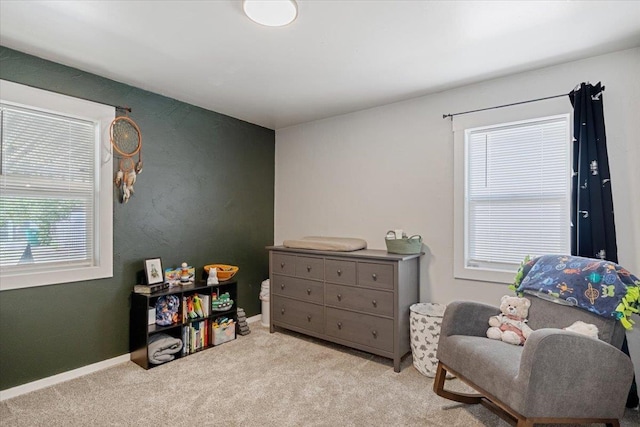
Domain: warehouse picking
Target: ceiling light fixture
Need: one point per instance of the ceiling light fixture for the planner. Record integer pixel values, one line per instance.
(272, 13)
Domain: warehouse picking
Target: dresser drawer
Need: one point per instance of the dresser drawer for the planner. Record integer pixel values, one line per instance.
(310, 268)
(354, 298)
(283, 264)
(376, 332)
(375, 275)
(293, 287)
(336, 271)
(296, 313)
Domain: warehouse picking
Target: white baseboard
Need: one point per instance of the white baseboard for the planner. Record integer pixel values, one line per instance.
(76, 373)
(255, 318)
(62, 377)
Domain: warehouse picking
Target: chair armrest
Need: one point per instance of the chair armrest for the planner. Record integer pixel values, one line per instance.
(467, 318)
(554, 361)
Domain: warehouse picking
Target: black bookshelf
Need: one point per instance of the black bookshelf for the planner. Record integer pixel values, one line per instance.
(140, 331)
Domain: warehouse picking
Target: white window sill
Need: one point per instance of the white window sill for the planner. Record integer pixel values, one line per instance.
(484, 275)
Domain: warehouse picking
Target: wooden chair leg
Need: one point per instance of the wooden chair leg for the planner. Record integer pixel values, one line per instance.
(438, 388)
(438, 383)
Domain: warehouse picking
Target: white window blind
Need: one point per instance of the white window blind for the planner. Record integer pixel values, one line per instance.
(516, 192)
(48, 190)
(56, 188)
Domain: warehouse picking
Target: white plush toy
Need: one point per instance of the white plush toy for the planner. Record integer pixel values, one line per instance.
(583, 328)
(511, 325)
(213, 277)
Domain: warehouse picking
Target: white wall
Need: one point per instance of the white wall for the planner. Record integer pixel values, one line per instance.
(364, 173)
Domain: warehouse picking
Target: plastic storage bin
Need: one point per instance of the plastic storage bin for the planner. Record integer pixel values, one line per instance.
(424, 324)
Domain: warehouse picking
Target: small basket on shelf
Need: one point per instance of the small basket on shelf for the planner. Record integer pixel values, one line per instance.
(405, 245)
(223, 271)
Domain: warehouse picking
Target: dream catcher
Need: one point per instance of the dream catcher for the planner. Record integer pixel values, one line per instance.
(126, 140)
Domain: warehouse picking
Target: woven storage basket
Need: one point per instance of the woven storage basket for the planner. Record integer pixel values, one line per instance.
(404, 246)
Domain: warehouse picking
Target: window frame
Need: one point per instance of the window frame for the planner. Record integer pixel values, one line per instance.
(37, 99)
(497, 117)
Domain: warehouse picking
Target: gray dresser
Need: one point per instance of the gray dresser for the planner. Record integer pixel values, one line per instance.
(359, 299)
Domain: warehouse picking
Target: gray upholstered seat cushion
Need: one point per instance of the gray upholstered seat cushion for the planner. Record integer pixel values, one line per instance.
(492, 364)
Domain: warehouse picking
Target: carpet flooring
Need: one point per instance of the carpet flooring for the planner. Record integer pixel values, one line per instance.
(262, 379)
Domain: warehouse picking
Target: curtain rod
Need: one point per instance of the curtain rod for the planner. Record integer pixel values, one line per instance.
(128, 109)
(444, 116)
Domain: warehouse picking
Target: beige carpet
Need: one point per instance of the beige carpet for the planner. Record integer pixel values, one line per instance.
(263, 379)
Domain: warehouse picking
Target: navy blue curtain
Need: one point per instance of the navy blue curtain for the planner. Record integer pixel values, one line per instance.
(593, 231)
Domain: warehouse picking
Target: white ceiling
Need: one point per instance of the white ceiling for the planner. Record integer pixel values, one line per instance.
(337, 57)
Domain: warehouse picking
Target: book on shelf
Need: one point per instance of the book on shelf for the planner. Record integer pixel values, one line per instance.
(206, 304)
(149, 289)
(185, 340)
(195, 336)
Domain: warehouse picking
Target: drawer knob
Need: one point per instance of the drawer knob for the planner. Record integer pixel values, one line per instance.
(309, 291)
(282, 265)
(282, 286)
(374, 333)
(308, 268)
(339, 272)
(375, 303)
(339, 325)
(308, 318)
(282, 310)
(374, 276)
(339, 296)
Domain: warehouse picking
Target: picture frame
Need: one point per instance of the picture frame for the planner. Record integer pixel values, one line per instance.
(153, 271)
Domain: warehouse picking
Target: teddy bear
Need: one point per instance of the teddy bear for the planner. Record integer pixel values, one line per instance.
(510, 325)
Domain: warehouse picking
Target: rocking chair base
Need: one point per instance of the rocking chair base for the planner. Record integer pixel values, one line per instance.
(503, 411)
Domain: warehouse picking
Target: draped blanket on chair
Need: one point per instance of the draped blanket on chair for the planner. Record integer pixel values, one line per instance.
(601, 287)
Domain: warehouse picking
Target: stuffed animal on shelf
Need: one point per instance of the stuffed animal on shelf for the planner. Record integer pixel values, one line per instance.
(510, 325)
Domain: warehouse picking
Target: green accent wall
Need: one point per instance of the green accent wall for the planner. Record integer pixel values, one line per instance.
(205, 195)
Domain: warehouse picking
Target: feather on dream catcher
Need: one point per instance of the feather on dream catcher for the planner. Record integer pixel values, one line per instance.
(126, 141)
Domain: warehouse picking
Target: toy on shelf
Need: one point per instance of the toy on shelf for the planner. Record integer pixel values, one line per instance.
(183, 275)
(187, 274)
(212, 278)
(194, 307)
(221, 303)
(222, 322)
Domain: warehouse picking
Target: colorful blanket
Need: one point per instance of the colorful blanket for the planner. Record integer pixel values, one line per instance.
(601, 287)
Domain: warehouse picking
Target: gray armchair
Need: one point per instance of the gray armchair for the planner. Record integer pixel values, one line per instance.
(556, 377)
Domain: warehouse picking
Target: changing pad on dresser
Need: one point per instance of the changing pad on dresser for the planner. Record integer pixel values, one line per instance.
(341, 244)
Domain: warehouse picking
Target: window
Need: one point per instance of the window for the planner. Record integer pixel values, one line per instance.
(515, 196)
(55, 182)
